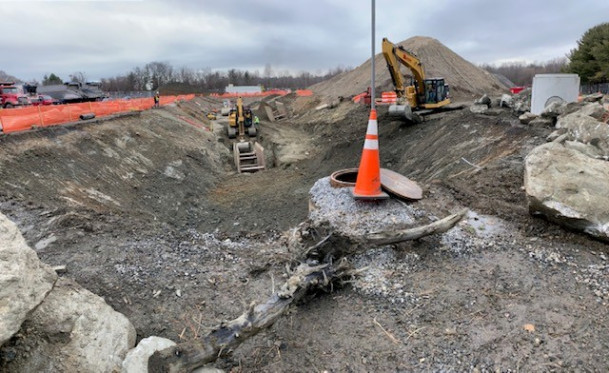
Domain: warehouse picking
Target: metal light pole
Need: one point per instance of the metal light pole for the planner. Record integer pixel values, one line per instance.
(372, 103)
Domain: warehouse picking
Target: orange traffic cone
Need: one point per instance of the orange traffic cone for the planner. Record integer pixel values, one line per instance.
(368, 183)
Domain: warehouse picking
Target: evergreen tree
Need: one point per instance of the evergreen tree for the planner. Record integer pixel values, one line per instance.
(51, 79)
(590, 60)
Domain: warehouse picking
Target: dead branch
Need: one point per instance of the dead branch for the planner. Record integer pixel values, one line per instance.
(189, 355)
(440, 226)
(338, 246)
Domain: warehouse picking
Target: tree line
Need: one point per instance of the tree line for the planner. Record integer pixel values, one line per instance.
(589, 60)
(163, 76)
(521, 73)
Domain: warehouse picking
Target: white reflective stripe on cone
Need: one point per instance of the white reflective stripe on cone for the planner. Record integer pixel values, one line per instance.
(372, 128)
(371, 144)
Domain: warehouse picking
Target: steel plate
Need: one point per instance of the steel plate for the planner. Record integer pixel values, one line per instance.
(400, 185)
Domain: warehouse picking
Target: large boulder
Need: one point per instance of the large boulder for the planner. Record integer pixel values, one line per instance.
(555, 109)
(594, 97)
(24, 279)
(594, 109)
(569, 188)
(586, 129)
(484, 100)
(74, 330)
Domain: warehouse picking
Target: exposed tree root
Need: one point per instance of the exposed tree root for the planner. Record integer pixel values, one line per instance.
(189, 355)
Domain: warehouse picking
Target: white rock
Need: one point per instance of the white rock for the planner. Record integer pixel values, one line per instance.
(506, 101)
(24, 279)
(136, 360)
(478, 108)
(78, 332)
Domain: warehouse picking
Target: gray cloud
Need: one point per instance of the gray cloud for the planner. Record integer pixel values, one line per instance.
(108, 38)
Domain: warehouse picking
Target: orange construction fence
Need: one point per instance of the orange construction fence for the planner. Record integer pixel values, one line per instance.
(26, 118)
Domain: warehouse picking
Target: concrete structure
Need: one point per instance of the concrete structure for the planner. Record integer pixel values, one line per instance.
(548, 88)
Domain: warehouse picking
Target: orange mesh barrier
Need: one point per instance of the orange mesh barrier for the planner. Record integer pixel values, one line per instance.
(359, 97)
(24, 118)
(279, 92)
(304, 92)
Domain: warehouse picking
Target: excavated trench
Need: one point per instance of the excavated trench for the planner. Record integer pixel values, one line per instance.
(143, 209)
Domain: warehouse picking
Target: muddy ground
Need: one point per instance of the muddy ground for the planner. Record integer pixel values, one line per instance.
(148, 212)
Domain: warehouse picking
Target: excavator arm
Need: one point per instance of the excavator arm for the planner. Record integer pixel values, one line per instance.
(396, 55)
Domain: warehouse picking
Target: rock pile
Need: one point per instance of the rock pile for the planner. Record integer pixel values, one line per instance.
(566, 179)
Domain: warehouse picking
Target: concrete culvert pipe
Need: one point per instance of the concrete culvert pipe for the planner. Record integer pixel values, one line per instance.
(87, 116)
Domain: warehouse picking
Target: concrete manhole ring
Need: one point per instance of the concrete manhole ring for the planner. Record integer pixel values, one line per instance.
(344, 178)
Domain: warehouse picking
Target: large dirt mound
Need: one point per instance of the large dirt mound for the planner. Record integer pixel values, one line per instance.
(465, 79)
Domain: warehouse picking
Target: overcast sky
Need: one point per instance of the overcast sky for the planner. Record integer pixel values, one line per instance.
(105, 38)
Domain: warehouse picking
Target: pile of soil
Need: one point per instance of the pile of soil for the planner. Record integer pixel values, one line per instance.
(149, 213)
(464, 78)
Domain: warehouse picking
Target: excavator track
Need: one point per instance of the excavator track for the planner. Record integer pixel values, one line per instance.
(249, 156)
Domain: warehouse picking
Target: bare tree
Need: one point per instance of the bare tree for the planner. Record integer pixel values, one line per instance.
(160, 72)
(78, 77)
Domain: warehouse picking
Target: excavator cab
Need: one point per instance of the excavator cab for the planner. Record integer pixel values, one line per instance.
(434, 91)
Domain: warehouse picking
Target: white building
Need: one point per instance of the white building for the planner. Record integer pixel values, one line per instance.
(243, 89)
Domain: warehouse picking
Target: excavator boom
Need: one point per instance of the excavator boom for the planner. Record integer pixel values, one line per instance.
(396, 55)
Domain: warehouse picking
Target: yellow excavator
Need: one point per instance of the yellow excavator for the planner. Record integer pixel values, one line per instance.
(248, 155)
(423, 96)
(240, 121)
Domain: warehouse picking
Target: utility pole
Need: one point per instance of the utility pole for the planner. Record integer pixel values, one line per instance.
(372, 103)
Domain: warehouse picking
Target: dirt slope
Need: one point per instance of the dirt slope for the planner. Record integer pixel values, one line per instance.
(465, 79)
(153, 165)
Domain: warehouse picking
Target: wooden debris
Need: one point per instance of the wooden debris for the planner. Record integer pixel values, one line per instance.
(187, 356)
(440, 226)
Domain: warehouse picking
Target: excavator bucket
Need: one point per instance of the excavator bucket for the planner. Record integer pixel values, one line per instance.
(404, 112)
(249, 156)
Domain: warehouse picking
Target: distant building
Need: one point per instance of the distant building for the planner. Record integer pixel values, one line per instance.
(241, 89)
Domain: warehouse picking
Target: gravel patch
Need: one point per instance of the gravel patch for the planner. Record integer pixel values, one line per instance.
(337, 207)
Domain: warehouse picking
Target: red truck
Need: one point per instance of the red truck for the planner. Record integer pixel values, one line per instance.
(11, 96)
